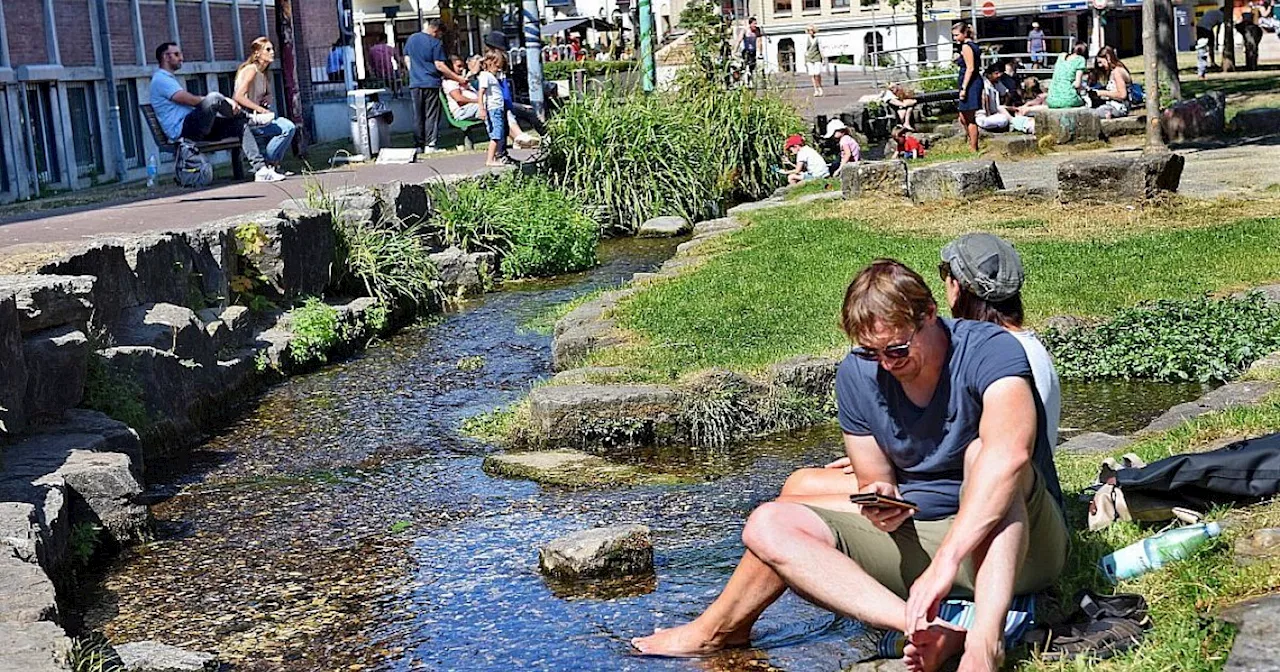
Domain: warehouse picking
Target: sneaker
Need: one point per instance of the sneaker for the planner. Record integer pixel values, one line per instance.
(429, 149)
(266, 174)
(261, 118)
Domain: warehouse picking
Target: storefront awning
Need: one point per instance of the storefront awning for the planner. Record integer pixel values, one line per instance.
(574, 22)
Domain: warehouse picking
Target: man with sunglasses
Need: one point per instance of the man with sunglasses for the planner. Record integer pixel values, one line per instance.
(941, 413)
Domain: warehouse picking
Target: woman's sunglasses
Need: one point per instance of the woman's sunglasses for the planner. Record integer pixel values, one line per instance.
(894, 352)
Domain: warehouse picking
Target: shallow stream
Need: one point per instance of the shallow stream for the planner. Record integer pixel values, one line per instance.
(346, 524)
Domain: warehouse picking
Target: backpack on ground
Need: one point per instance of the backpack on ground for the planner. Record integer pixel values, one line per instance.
(191, 168)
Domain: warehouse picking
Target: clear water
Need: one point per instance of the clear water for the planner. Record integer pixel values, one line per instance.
(346, 524)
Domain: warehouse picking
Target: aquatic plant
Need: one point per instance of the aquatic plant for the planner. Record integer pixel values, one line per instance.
(317, 329)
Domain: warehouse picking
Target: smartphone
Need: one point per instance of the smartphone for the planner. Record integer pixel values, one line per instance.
(874, 499)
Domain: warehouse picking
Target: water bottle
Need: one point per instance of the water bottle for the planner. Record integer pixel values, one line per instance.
(152, 169)
(1154, 552)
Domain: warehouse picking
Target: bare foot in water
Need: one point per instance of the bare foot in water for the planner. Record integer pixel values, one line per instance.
(928, 649)
(686, 641)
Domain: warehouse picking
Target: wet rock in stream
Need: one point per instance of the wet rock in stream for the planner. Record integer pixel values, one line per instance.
(620, 550)
(148, 656)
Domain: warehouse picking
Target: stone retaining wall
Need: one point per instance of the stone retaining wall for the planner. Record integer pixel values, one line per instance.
(145, 327)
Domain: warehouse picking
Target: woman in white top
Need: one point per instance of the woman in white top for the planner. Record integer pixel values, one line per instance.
(1115, 96)
(253, 93)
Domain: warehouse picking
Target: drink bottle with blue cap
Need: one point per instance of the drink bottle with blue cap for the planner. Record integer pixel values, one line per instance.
(1154, 552)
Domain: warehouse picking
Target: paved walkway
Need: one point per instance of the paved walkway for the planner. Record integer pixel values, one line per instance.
(223, 200)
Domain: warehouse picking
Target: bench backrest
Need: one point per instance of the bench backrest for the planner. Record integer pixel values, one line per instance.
(157, 131)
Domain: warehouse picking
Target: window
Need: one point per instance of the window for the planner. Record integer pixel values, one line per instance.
(197, 85)
(839, 4)
(781, 6)
(44, 142)
(4, 155)
(82, 107)
(226, 84)
(130, 124)
(812, 5)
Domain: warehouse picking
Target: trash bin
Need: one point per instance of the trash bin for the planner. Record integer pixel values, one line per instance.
(364, 135)
(380, 119)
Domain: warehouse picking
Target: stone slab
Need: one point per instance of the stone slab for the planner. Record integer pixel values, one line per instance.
(1130, 125)
(1094, 442)
(1111, 178)
(605, 418)
(13, 369)
(1239, 393)
(26, 592)
(1013, 145)
(149, 656)
(569, 468)
(572, 346)
(810, 374)
(34, 647)
(1257, 643)
(620, 550)
(959, 180)
(1070, 126)
(57, 360)
(46, 301)
(874, 178)
(664, 227)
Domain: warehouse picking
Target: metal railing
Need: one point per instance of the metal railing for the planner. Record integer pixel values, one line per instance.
(902, 65)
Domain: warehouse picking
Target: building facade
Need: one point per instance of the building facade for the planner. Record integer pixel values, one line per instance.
(55, 100)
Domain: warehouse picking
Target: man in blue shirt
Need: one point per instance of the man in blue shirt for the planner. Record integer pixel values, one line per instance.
(213, 117)
(941, 413)
(427, 65)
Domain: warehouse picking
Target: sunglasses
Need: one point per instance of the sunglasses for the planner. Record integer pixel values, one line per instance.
(893, 352)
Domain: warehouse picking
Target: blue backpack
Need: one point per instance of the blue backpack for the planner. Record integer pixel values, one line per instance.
(1136, 95)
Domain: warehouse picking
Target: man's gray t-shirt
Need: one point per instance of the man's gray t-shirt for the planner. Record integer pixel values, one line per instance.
(168, 113)
(926, 445)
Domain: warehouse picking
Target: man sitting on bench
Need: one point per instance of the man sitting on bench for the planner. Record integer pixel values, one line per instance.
(203, 118)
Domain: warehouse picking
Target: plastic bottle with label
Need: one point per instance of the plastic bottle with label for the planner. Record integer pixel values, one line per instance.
(1155, 552)
(153, 169)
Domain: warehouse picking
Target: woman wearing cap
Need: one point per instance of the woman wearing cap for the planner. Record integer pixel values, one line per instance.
(983, 277)
(809, 163)
(850, 152)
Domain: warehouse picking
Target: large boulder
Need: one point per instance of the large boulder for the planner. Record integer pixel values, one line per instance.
(46, 301)
(162, 387)
(149, 656)
(1259, 121)
(1111, 178)
(56, 361)
(406, 201)
(166, 327)
(13, 369)
(162, 268)
(961, 180)
(1013, 145)
(620, 550)
(114, 287)
(605, 419)
(35, 519)
(1070, 126)
(1257, 641)
(1190, 119)
(460, 274)
(664, 227)
(874, 178)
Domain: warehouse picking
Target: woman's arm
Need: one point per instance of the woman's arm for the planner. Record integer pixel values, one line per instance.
(244, 79)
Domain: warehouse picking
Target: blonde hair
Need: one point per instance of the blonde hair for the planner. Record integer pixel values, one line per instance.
(493, 57)
(255, 47)
(888, 293)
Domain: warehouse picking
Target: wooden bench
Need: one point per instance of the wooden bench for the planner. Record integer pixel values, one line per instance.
(165, 144)
(464, 125)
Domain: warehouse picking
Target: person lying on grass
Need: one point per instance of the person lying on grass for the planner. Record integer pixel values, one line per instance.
(941, 413)
(809, 163)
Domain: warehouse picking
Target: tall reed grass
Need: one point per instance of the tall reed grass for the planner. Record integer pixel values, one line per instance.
(687, 153)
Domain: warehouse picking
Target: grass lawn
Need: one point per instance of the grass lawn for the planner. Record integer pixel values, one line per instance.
(774, 290)
(1183, 596)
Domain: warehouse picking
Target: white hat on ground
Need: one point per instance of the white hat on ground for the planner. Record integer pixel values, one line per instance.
(833, 126)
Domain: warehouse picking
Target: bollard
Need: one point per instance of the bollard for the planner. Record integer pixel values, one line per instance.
(578, 82)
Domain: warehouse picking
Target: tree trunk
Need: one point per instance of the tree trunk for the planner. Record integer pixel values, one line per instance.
(1150, 39)
(1228, 38)
(1168, 46)
(922, 53)
(289, 70)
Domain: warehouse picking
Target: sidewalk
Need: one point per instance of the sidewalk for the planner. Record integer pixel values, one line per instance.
(225, 199)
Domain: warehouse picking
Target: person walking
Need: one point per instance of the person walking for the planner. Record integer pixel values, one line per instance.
(1207, 28)
(813, 60)
(749, 43)
(427, 69)
(969, 81)
(253, 93)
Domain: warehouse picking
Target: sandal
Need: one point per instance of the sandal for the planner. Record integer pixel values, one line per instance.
(1103, 626)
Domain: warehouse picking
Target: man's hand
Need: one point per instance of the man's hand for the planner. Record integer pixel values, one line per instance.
(886, 518)
(843, 463)
(927, 593)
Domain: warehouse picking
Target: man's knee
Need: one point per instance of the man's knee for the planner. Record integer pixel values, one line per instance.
(802, 482)
(774, 530)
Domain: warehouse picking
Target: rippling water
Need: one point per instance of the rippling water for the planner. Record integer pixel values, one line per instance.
(345, 524)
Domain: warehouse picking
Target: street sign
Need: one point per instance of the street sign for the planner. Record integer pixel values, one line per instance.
(1064, 6)
(988, 9)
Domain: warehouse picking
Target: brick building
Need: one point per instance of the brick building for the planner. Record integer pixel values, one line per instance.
(55, 100)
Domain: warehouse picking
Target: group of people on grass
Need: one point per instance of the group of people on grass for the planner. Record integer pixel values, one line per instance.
(950, 424)
(995, 99)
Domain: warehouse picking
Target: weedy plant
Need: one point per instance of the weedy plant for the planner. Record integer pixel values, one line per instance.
(93, 653)
(1202, 339)
(317, 329)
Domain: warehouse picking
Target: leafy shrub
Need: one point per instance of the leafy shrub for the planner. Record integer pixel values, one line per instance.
(1200, 339)
(93, 653)
(946, 78)
(317, 329)
(563, 69)
(533, 227)
(635, 156)
(387, 259)
(114, 393)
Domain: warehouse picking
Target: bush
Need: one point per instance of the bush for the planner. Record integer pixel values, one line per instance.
(947, 83)
(535, 229)
(1201, 339)
(564, 69)
(636, 156)
(316, 329)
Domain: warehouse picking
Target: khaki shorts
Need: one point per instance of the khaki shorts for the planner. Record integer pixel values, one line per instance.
(896, 559)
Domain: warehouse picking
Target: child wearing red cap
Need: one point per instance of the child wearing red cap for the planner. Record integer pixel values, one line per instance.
(809, 163)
